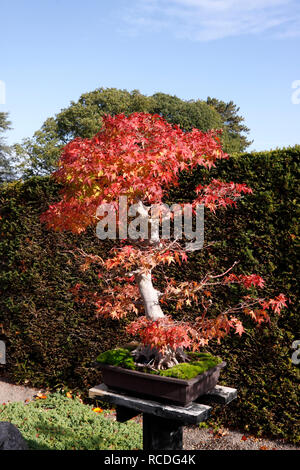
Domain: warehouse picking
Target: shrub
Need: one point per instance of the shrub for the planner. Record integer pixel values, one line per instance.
(61, 423)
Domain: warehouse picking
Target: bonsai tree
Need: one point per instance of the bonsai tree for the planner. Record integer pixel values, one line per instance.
(140, 157)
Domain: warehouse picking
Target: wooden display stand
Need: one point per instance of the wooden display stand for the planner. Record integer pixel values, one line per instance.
(163, 423)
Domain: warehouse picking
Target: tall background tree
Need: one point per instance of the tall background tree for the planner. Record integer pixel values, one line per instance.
(84, 118)
(236, 130)
(6, 169)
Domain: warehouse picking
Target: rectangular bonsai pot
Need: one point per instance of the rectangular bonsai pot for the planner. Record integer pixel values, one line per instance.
(166, 389)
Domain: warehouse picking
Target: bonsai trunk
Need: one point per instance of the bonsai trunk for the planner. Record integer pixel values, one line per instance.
(145, 356)
(152, 358)
(150, 296)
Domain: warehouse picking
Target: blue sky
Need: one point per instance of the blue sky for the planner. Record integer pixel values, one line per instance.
(52, 51)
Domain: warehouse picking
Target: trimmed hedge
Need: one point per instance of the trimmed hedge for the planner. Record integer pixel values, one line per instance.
(52, 340)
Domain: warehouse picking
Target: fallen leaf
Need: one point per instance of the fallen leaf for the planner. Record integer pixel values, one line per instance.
(40, 396)
(97, 410)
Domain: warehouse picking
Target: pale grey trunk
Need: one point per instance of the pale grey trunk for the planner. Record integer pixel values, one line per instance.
(150, 296)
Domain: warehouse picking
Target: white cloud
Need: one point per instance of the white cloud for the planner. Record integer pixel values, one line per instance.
(225, 5)
(206, 20)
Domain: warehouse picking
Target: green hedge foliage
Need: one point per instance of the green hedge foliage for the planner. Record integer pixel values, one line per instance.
(52, 340)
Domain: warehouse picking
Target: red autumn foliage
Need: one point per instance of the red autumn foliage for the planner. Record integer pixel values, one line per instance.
(163, 332)
(141, 157)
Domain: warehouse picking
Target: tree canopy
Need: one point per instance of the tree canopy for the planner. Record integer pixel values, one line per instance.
(84, 119)
(140, 157)
(235, 129)
(6, 170)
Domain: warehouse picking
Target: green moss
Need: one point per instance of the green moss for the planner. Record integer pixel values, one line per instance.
(117, 357)
(189, 370)
(201, 362)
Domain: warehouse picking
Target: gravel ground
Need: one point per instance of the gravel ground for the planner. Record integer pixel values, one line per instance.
(10, 392)
(225, 439)
(194, 438)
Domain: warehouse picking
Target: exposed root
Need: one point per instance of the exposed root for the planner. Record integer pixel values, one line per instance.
(151, 358)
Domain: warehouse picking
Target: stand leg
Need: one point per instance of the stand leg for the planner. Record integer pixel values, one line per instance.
(124, 414)
(161, 434)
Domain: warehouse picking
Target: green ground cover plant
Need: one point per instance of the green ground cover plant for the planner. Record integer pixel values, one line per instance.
(62, 423)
